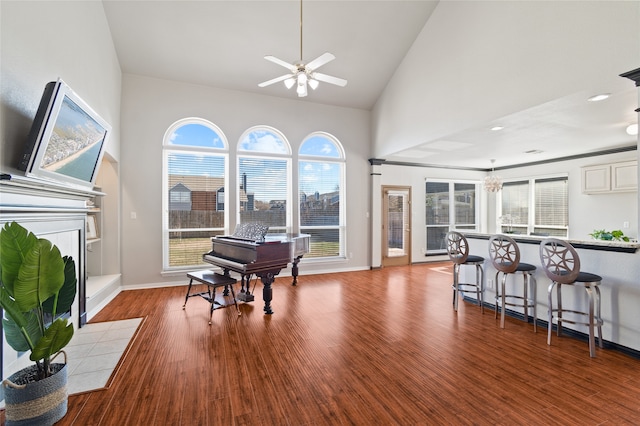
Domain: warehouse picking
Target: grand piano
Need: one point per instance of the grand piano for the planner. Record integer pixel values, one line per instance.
(263, 256)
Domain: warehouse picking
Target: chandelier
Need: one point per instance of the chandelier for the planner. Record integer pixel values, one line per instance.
(492, 183)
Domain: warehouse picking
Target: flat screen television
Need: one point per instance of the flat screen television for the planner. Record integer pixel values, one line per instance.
(67, 139)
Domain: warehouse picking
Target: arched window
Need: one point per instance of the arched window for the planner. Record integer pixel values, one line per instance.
(321, 177)
(195, 157)
(264, 176)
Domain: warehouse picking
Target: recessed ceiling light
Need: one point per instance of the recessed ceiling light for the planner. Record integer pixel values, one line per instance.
(632, 129)
(496, 128)
(600, 97)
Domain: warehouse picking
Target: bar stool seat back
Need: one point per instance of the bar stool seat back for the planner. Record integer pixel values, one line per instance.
(561, 264)
(505, 258)
(458, 251)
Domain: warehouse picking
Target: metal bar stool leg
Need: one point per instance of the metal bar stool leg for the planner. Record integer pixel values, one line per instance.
(503, 298)
(592, 338)
(480, 286)
(456, 288)
(534, 302)
(559, 311)
(550, 327)
(525, 296)
(497, 297)
(599, 319)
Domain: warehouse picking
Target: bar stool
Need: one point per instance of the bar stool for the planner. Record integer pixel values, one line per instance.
(505, 257)
(561, 264)
(458, 251)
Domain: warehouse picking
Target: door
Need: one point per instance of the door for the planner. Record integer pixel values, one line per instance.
(396, 225)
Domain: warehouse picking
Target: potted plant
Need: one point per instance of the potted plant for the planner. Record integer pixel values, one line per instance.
(616, 235)
(36, 285)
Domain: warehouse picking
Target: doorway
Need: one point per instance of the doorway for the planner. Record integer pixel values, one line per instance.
(396, 225)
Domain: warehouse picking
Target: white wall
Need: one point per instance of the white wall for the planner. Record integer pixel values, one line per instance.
(42, 41)
(477, 61)
(586, 212)
(415, 177)
(150, 106)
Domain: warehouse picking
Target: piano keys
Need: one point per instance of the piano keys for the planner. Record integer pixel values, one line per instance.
(265, 259)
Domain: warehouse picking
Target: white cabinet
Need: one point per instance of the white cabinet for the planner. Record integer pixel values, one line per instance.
(613, 177)
(624, 176)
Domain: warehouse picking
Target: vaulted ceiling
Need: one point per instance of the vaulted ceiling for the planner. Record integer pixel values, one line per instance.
(223, 44)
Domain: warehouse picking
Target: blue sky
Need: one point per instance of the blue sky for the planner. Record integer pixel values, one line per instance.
(270, 180)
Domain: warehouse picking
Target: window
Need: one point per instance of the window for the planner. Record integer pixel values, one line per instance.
(264, 176)
(514, 217)
(194, 167)
(321, 190)
(449, 206)
(543, 211)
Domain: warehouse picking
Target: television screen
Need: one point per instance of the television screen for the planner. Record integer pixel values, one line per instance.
(67, 139)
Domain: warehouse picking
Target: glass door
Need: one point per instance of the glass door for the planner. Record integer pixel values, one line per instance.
(396, 223)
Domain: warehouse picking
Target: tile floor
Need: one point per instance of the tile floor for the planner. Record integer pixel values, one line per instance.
(95, 351)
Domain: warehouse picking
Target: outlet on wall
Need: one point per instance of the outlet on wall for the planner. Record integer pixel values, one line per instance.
(490, 284)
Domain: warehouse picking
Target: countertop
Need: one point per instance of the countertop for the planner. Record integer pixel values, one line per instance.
(602, 245)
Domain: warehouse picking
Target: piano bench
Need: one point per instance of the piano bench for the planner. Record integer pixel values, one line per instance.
(213, 280)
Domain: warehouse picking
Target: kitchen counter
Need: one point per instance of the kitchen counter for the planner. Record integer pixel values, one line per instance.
(616, 246)
(617, 262)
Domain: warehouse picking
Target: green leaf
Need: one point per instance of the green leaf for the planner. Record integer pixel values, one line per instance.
(15, 242)
(40, 277)
(67, 293)
(21, 338)
(56, 337)
(35, 280)
(14, 336)
(11, 308)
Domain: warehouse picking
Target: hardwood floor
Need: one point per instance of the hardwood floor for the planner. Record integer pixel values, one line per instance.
(376, 347)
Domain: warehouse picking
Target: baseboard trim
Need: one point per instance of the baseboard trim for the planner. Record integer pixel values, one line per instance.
(565, 330)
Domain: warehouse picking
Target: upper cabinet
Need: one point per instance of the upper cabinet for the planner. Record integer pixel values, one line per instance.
(612, 177)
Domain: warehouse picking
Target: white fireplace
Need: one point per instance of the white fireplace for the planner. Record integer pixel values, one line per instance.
(59, 215)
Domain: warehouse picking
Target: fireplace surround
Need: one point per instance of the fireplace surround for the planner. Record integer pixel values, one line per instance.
(57, 213)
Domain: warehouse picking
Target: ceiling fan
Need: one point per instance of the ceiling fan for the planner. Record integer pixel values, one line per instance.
(302, 75)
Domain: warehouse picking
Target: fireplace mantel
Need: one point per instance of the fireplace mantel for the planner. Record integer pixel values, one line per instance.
(50, 210)
(25, 194)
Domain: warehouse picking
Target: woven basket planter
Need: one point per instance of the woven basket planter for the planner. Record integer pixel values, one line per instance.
(37, 403)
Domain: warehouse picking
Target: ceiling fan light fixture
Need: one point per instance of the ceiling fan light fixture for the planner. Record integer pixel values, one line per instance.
(289, 83)
(302, 73)
(302, 91)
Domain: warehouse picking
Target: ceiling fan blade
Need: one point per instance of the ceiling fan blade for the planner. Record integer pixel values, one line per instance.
(275, 80)
(282, 63)
(319, 61)
(329, 79)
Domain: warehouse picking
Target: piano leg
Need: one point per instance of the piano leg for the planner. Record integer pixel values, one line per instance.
(294, 270)
(245, 293)
(267, 293)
